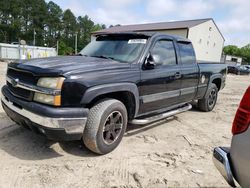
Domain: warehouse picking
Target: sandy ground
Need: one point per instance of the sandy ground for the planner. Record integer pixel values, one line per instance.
(171, 153)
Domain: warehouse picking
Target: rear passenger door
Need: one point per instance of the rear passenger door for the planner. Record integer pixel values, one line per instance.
(189, 71)
(160, 86)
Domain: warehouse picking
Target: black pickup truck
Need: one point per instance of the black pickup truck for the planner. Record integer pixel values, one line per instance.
(119, 78)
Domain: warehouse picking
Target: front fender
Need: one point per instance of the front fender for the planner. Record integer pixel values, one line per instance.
(96, 91)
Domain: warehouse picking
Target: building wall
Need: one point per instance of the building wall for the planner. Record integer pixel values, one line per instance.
(207, 44)
(207, 41)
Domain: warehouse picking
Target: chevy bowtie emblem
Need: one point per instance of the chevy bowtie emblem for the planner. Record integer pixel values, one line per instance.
(14, 82)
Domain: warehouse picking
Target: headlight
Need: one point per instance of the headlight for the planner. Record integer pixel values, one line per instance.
(43, 98)
(50, 83)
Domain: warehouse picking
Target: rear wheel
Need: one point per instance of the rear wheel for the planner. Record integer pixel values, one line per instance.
(208, 102)
(105, 126)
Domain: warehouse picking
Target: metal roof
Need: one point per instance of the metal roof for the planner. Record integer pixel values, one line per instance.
(156, 26)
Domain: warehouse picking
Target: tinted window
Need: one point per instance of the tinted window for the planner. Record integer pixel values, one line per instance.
(165, 52)
(187, 53)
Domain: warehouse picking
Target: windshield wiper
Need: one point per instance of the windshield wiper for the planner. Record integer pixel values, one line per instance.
(103, 57)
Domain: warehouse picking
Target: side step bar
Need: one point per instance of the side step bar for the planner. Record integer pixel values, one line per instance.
(161, 116)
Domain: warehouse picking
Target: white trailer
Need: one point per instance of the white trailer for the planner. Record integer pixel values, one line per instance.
(13, 51)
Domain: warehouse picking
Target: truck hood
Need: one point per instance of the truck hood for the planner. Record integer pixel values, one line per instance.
(68, 65)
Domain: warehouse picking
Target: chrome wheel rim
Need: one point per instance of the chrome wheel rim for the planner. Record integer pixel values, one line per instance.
(212, 98)
(112, 127)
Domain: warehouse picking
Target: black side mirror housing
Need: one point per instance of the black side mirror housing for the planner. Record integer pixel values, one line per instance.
(151, 61)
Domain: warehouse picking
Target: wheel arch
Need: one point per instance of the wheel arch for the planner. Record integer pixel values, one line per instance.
(127, 93)
(217, 80)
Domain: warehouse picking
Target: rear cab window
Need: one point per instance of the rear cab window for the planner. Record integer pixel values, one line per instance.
(187, 53)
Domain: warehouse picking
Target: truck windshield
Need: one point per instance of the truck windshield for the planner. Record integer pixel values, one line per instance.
(124, 49)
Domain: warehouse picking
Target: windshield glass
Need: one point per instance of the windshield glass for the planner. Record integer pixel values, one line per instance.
(121, 48)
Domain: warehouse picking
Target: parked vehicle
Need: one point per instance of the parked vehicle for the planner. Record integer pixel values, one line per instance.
(118, 78)
(233, 163)
(239, 70)
(233, 69)
(15, 43)
(244, 69)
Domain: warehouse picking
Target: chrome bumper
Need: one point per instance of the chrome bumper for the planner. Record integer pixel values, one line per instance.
(221, 161)
(71, 125)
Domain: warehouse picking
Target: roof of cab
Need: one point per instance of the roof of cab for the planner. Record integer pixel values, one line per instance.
(146, 34)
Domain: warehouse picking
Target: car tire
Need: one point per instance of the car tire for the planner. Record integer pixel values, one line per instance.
(208, 103)
(106, 125)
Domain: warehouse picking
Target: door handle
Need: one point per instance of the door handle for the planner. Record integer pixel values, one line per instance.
(177, 75)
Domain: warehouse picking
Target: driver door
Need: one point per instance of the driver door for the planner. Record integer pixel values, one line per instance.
(160, 84)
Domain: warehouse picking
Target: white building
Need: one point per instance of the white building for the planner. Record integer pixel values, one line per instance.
(206, 37)
(232, 60)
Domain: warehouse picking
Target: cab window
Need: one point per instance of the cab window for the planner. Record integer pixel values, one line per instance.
(165, 52)
(186, 53)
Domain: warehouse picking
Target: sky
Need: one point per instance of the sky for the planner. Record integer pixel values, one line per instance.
(231, 16)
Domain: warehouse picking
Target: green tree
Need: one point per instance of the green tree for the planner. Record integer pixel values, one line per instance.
(34, 14)
(69, 28)
(64, 49)
(243, 52)
(10, 23)
(231, 50)
(54, 23)
(20, 18)
(85, 26)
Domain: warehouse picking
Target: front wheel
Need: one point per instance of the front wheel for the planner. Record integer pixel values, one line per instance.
(207, 103)
(106, 124)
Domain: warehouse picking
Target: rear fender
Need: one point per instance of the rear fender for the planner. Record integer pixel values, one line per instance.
(211, 79)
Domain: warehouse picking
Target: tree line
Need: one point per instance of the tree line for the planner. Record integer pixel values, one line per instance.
(22, 19)
(243, 52)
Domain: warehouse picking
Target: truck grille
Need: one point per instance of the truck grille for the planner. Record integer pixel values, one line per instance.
(24, 77)
(21, 93)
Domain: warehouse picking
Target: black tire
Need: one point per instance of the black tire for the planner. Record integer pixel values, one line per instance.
(105, 127)
(208, 103)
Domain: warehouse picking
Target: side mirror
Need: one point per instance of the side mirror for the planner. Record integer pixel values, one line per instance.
(151, 61)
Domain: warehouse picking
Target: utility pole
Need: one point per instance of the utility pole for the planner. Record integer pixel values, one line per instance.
(57, 46)
(34, 37)
(76, 43)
